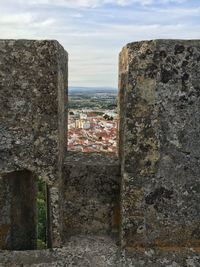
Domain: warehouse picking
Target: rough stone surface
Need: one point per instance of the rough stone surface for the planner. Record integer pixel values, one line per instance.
(90, 194)
(98, 251)
(33, 82)
(33, 79)
(160, 143)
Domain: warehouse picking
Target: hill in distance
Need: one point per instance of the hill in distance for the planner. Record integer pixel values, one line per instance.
(91, 90)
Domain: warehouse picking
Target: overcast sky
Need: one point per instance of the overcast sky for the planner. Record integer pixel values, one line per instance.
(94, 31)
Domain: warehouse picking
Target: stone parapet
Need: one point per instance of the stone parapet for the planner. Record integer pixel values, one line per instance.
(159, 143)
(33, 135)
(90, 195)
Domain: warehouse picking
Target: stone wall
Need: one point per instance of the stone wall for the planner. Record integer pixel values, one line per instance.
(90, 195)
(160, 143)
(155, 182)
(33, 83)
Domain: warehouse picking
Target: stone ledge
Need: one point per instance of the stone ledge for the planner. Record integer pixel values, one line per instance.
(73, 158)
(98, 251)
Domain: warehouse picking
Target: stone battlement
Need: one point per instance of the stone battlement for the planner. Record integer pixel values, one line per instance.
(135, 209)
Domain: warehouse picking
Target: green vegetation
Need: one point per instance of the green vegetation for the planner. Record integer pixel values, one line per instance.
(41, 206)
(98, 113)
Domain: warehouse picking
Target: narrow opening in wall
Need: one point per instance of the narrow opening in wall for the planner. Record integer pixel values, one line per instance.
(41, 214)
(92, 120)
(25, 212)
(22, 210)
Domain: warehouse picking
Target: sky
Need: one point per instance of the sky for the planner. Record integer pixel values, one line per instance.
(93, 32)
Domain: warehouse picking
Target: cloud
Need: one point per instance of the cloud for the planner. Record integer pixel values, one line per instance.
(24, 25)
(13, 19)
(93, 3)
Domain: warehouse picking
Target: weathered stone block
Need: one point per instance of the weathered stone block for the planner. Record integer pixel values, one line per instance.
(90, 195)
(33, 79)
(160, 143)
(33, 84)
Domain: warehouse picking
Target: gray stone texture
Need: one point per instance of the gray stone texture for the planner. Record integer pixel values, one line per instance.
(33, 84)
(96, 251)
(90, 194)
(160, 143)
(33, 76)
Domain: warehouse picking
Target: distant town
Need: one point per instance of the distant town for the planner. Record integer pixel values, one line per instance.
(92, 120)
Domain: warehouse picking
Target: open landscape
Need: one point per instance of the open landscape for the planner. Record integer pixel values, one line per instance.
(92, 121)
